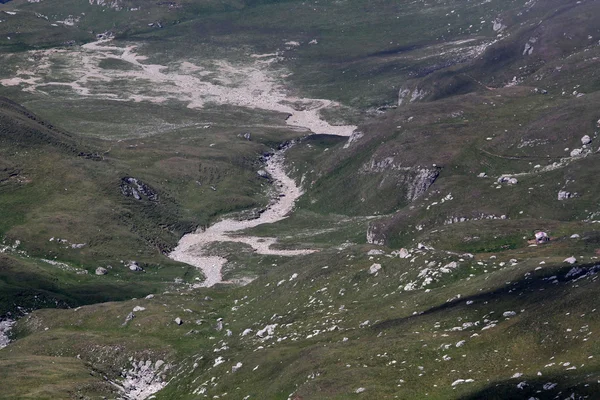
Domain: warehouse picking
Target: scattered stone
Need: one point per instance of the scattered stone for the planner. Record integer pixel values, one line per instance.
(570, 260)
(178, 321)
(482, 175)
(360, 390)
(262, 173)
(101, 271)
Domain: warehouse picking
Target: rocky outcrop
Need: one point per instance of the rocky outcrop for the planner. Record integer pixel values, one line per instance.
(419, 181)
(5, 327)
(132, 187)
(374, 235)
(406, 96)
(415, 179)
(143, 379)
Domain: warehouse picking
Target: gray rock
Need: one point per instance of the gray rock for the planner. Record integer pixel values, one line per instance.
(101, 271)
(128, 318)
(586, 140)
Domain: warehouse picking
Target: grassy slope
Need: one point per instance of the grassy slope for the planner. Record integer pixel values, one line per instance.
(555, 314)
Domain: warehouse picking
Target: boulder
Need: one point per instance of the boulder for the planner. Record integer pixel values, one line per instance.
(541, 237)
(101, 271)
(576, 152)
(128, 318)
(402, 253)
(236, 367)
(178, 321)
(133, 266)
(374, 268)
(570, 260)
(586, 140)
(375, 252)
(564, 195)
(508, 179)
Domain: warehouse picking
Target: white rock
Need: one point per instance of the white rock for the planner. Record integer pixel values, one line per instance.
(564, 195)
(586, 140)
(218, 361)
(138, 308)
(507, 314)
(374, 268)
(101, 271)
(246, 332)
(576, 152)
(236, 367)
(575, 236)
(268, 330)
(375, 252)
(178, 321)
(360, 390)
(402, 253)
(570, 260)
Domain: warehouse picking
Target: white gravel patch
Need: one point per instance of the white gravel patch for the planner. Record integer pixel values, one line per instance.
(192, 247)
